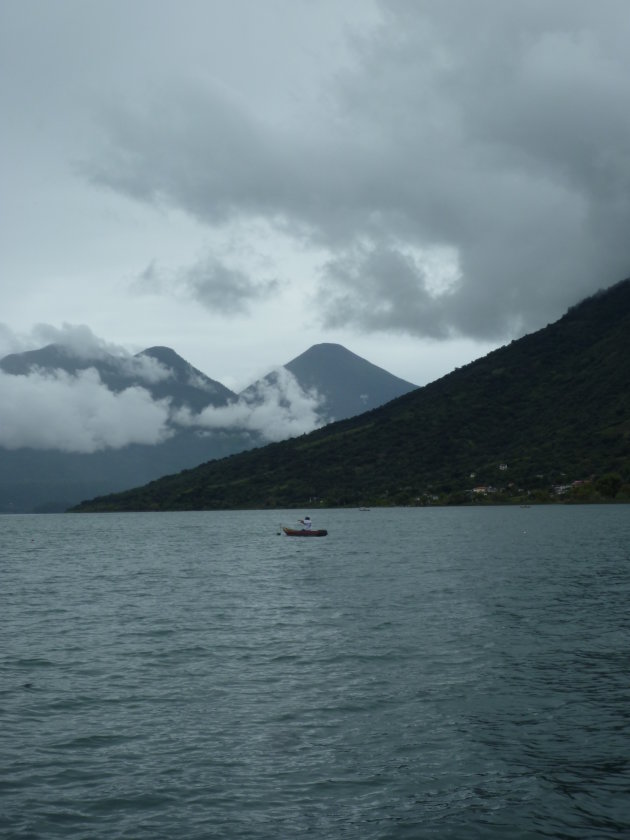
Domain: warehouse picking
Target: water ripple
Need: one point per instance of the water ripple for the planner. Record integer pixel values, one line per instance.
(419, 674)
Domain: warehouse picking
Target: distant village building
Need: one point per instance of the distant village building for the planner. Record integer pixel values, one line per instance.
(559, 489)
(503, 466)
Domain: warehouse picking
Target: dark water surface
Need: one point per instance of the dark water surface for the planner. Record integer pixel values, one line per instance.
(441, 673)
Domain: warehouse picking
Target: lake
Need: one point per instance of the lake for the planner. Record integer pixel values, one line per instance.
(419, 673)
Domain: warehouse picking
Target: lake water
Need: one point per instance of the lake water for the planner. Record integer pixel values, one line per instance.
(419, 673)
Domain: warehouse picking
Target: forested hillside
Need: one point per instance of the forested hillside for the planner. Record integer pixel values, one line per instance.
(546, 417)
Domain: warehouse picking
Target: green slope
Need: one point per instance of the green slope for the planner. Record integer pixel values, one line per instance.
(554, 407)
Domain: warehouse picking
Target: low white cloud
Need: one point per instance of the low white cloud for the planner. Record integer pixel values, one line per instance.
(276, 408)
(78, 342)
(77, 413)
(146, 368)
(77, 338)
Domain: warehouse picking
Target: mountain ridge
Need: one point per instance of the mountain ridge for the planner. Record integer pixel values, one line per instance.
(550, 410)
(364, 377)
(345, 382)
(199, 427)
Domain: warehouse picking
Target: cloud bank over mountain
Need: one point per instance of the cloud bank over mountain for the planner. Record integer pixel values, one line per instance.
(275, 410)
(73, 410)
(76, 413)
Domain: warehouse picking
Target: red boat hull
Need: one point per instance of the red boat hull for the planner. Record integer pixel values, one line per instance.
(292, 532)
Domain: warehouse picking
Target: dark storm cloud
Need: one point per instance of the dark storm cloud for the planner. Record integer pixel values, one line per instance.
(492, 136)
(391, 292)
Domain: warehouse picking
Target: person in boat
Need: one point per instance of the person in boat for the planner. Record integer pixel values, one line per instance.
(306, 523)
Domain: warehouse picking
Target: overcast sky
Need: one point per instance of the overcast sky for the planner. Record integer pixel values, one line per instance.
(417, 180)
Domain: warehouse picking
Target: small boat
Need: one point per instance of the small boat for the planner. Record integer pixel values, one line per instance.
(303, 532)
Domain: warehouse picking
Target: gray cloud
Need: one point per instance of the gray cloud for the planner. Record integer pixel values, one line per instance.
(496, 133)
(224, 289)
(380, 287)
(211, 282)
